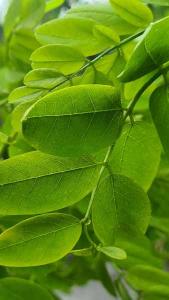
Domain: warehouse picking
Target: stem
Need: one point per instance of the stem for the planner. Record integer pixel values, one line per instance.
(98, 57)
(110, 149)
(139, 94)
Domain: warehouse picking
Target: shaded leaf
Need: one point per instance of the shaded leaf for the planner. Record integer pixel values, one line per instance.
(144, 277)
(159, 107)
(16, 288)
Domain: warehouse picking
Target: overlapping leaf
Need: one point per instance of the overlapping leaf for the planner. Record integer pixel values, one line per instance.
(16, 288)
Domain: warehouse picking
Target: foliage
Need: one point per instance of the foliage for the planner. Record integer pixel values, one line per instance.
(84, 148)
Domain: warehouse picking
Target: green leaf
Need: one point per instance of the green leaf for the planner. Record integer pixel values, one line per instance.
(32, 12)
(16, 288)
(74, 121)
(52, 4)
(159, 107)
(161, 224)
(18, 114)
(133, 156)
(63, 58)
(39, 240)
(43, 78)
(144, 277)
(23, 94)
(12, 17)
(3, 138)
(22, 44)
(44, 182)
(21, 14)
(79, 36)
(158, 2)
(113, 252)
(105, 33)
(133, 11)
(150, 53)
(156, 292)
(139, 249)
(82, 252)
(102, 14)
(119, 203)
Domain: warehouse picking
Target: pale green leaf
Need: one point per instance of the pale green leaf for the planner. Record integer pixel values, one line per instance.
(43, 78)
(52, 4)
(133, 11)
(104, 33)
(79, 36)
(44, 182)
(23, 94)
(102, 14)
(74, 121)
(113, 252)
(119, 203)
(39, 240)
(63, 58)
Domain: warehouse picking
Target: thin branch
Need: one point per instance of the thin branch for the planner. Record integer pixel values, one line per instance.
(98, 57)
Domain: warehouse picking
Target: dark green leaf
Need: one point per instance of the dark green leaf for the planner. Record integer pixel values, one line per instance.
(21, 289)
(159, 107)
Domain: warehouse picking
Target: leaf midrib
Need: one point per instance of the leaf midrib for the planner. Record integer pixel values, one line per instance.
(75, 114)
(51, 174)
(39, 236)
